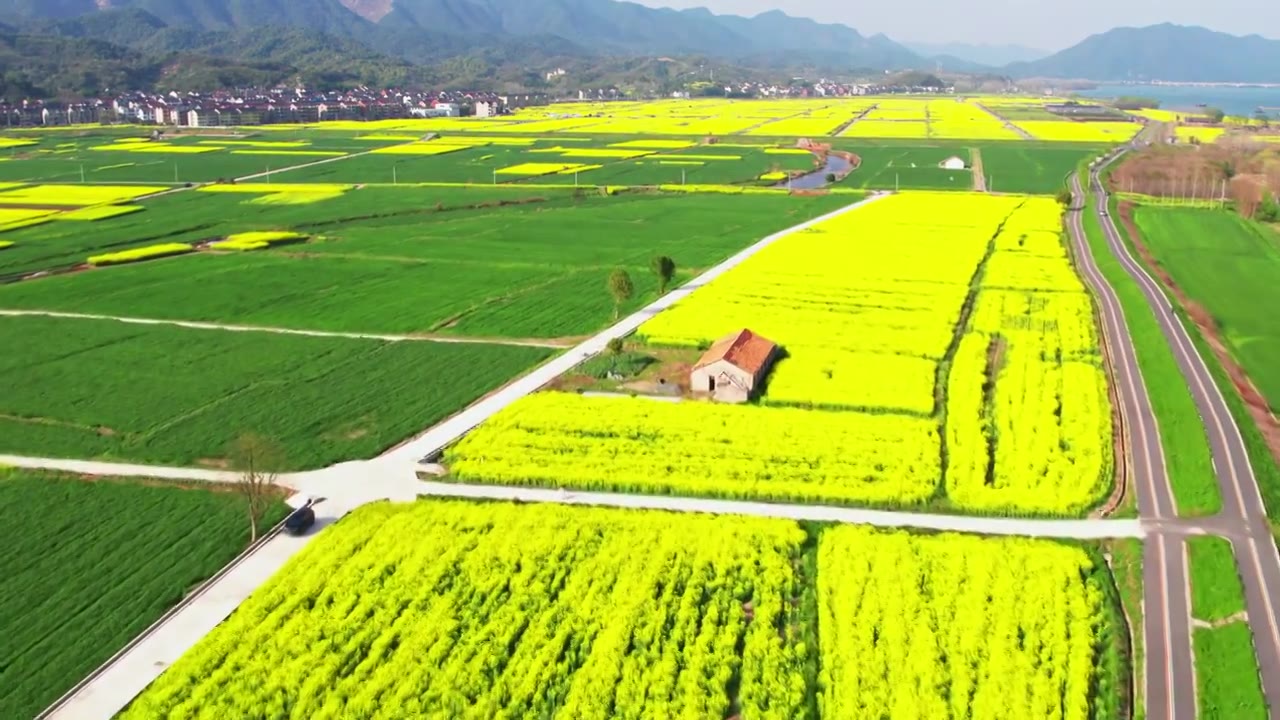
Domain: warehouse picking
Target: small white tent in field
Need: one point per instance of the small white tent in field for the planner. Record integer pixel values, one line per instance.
(953, 163)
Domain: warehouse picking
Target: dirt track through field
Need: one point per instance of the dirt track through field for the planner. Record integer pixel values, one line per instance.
(194, 325)
(975, 165)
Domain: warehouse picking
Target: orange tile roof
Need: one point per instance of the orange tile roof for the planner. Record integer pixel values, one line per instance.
(743, 349)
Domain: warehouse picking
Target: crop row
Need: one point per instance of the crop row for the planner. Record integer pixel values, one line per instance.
(88, 565)
(502, 611)
(1029, 420)
(169, 395)
(564, 439)
(954, 626)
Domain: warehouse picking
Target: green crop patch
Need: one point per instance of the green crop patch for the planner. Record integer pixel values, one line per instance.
(905, 167)
(1032, 167)
(176, 396)
(1231, 267)
(184, 157)
(409, 268)
(88, 565)
(205, 215)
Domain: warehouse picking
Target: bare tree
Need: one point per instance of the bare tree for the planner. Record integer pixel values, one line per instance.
(258, 461)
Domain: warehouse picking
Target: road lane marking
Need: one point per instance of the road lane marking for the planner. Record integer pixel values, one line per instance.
(1191, 652)
(1170, 695)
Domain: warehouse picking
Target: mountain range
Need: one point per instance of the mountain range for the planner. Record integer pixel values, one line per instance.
(981, 54)
(1162, 52)
(510, 42)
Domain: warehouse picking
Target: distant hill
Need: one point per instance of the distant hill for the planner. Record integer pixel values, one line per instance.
(603, 26)
(628, 28)
(132, 49)
(1175, 53)
(508, 44)
(989, 55)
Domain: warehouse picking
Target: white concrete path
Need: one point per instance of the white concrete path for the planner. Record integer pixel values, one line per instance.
(1077, 529)
(227, 327)
(95, 467)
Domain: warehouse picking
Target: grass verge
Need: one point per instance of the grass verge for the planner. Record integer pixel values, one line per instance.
(1216, 593)
(1125, 560)
(1227, 682)
(1190, 469)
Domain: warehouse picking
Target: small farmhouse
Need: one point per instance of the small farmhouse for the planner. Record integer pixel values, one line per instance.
(733, 367)
(953, 163)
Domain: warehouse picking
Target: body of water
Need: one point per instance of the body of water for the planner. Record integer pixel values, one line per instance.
(1231, 100)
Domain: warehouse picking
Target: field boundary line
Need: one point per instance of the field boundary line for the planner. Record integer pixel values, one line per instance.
(115, 469)
(1084, 529)
(303, 166)
(57, 706)
(203, 325)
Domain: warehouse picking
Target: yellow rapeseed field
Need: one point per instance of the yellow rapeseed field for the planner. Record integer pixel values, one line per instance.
(917, 316)
(76, 195)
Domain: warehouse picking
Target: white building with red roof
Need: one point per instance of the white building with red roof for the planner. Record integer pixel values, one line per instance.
(734, 366)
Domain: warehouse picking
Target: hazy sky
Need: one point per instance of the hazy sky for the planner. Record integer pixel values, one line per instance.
(1044, 24)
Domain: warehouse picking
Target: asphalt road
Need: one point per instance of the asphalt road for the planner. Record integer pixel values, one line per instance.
(1243, 509)
(1169, 678)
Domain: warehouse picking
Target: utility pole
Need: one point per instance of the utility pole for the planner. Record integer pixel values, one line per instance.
(175, 173)
(394, 178)
(682, 176)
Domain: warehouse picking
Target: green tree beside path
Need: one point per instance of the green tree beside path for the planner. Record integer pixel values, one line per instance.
(621, 288)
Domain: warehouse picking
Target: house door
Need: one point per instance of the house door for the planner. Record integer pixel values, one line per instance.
(711, 384)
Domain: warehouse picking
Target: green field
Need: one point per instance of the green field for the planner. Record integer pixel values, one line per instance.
(531, 270)
(1190, 469)
(738, 165)
(1027, 168)
(195, 216)
(1227, 682)
(87, 565)
(1231, 267)
(907, 167)
(77, 156)
(1013, 167)
(167, 395)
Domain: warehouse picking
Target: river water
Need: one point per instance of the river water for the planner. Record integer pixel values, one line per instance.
(1231, 100)
(818, 178)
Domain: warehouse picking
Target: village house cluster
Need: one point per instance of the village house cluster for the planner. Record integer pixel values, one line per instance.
(265, 107)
